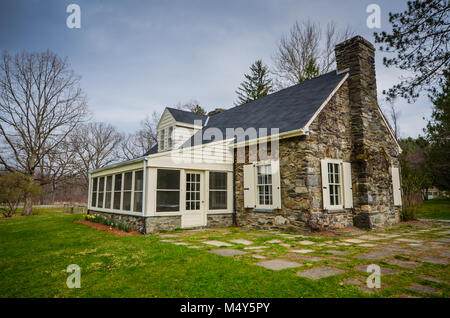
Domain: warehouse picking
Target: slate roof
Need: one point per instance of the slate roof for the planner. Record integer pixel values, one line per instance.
(288, 109)
(186, 116)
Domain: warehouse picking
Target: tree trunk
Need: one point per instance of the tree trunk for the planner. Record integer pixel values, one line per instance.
(28, 206)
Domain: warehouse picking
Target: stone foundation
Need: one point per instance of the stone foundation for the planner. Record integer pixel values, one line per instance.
(144, 224)
(220, 220)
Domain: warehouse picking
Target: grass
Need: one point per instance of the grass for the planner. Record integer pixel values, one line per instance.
(36, 250)
(434, 209)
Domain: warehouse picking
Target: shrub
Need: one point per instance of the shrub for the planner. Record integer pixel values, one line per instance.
(14, 187)
(408, 213)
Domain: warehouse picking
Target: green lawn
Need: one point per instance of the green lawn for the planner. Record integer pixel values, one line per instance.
(434, 209)
(36, 250)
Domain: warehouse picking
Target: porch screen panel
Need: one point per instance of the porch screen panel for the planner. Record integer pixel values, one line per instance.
(127, 183)
(168, 191)
(108, 190)
(117, 191)
(94, 192)
(217, 190)
(101, 191)
(138, 185)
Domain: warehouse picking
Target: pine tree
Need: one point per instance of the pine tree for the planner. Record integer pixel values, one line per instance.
(255, 85)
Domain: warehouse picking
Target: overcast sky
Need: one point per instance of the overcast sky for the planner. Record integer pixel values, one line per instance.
(139, 56)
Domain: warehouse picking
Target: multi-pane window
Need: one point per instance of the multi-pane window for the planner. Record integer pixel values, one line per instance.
(264, 180)
(192, 191)
(127, 183)
(138, 186)
(334, 182)
(217, 190)
(101, 191)
(94, 192)
(162, 138)
(117, 191)
(169, 137)
(108, 190)
(168, 191)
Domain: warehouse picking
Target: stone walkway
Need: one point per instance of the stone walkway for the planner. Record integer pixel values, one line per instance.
(413, 257)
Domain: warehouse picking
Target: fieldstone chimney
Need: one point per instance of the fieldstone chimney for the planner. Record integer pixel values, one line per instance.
(357, 55)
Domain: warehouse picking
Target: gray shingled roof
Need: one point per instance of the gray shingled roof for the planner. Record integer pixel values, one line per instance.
(288, 109)
(185, 116)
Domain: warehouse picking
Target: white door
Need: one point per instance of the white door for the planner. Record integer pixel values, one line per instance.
(194, 210)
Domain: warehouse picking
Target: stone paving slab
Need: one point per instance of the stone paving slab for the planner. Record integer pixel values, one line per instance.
(169, 235)
(181, 243)
(255, 247)
(276, 241)
(434, 260)
(242, 241)
(384, 270)
(343, 244)
(257, 256)
(423, 289)
(285, 245)
(228, 252)
(432, 279)
(320, 272)
(367, 245)
(352, 281)
(334, 252)
(370, 237)
(278, 264)
(405, 264)
(444, 233)
(375, 255)
(305, 242)
(409, 240)
(305, 257)
(301, 251)
(217, 243)
(354, 241)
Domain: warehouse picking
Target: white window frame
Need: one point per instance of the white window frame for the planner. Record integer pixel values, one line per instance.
(257, 202)
(162, 139)
(327, 204)
(251, 191)
(169, 137)
(181, 191)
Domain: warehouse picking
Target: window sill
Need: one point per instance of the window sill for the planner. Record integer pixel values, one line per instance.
(264, 210)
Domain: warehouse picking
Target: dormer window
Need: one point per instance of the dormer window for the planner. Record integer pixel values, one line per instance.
(169, 138)
(162, 139)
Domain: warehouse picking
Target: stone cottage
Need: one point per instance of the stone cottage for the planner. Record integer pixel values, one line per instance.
(315, 155)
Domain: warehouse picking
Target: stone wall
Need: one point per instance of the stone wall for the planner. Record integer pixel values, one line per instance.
(144, 224)
(220, 220)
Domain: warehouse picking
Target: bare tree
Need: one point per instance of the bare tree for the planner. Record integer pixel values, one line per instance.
(95, 145)
(40, 104)
(393, 115)
(193, 106)
(306, 52)
(137, 144)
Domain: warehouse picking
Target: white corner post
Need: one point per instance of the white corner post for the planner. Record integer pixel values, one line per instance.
(144, 187)
(89, 190)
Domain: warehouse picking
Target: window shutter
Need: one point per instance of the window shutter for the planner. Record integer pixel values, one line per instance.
(249, 186)
(276, 189)
(325, 188)
(347, 179)
(396, 188)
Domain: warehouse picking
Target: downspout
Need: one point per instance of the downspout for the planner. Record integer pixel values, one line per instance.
(234, 191)
(144, 194)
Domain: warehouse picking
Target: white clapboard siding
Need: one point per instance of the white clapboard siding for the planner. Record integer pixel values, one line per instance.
(276, 188)
(249, 186)
(325, 187)
(396, 187)
(348, 188)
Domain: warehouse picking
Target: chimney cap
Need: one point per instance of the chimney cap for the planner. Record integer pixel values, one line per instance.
(356, 39)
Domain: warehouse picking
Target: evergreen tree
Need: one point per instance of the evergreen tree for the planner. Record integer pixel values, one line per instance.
(438, 135)
(255, 85)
